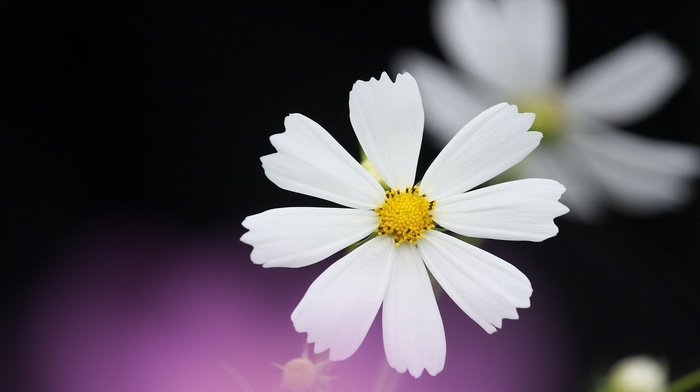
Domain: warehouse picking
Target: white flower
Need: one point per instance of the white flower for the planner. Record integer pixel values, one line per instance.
(513, 50)
(389, 268)
(303, 374)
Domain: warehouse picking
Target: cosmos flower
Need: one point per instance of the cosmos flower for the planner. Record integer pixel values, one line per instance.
(513, 50)
(304, 374)
(402, 229)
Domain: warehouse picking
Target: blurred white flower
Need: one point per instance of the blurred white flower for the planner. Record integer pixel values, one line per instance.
(514, 50)
(399, 227)
(303, 374)
(639, 373)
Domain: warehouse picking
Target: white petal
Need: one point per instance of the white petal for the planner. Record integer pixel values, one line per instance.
(297, 237)
(450, 100)
(485, 287)
(516, 45)
(388, 120)
(492, 142)
(628, 83)
(341, 303)
(522, 210)
(639, 174)
(414, 337)
(311, 162)
(563, 162)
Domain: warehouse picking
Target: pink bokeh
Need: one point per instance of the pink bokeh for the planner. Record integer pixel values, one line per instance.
(136, 307)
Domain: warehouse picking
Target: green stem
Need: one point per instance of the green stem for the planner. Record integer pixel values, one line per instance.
(685, 383)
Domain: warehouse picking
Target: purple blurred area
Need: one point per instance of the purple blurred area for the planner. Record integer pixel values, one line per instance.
(138, 307)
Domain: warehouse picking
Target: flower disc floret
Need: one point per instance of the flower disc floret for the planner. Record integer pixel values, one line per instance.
(405, 215)
(550, 115)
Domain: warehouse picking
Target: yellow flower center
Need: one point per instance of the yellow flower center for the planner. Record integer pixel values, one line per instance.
(405, 215)
(549, 117)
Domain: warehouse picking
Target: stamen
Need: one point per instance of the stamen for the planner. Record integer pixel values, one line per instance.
(405, 215)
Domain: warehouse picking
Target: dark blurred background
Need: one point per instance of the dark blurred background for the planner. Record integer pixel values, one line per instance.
(161, 110)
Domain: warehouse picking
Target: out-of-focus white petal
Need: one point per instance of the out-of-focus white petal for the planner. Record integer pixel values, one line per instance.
(485, 287)
(639, 175)
(522, 210)
(311, 162)
(339, 306)
(492, 142)
(563, 162)
(628, 83)
(414, 337)
(299, 236)
(514, 44)
(388, 120)
(450, 100)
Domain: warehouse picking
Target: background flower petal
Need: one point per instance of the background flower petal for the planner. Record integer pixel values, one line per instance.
(339, 306)
(414, 337)
(299, 236)
(388, 120)
(450, 99)
(628, 83)
(564, 162)
(517, 45)
(492, 142)
(522, 210)
(311, 162)
(485, 287)
(638, 174)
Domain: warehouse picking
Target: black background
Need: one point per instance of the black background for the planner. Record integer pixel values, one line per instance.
(162, 109)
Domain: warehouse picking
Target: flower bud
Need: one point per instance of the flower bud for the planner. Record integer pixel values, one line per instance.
(639, 373)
